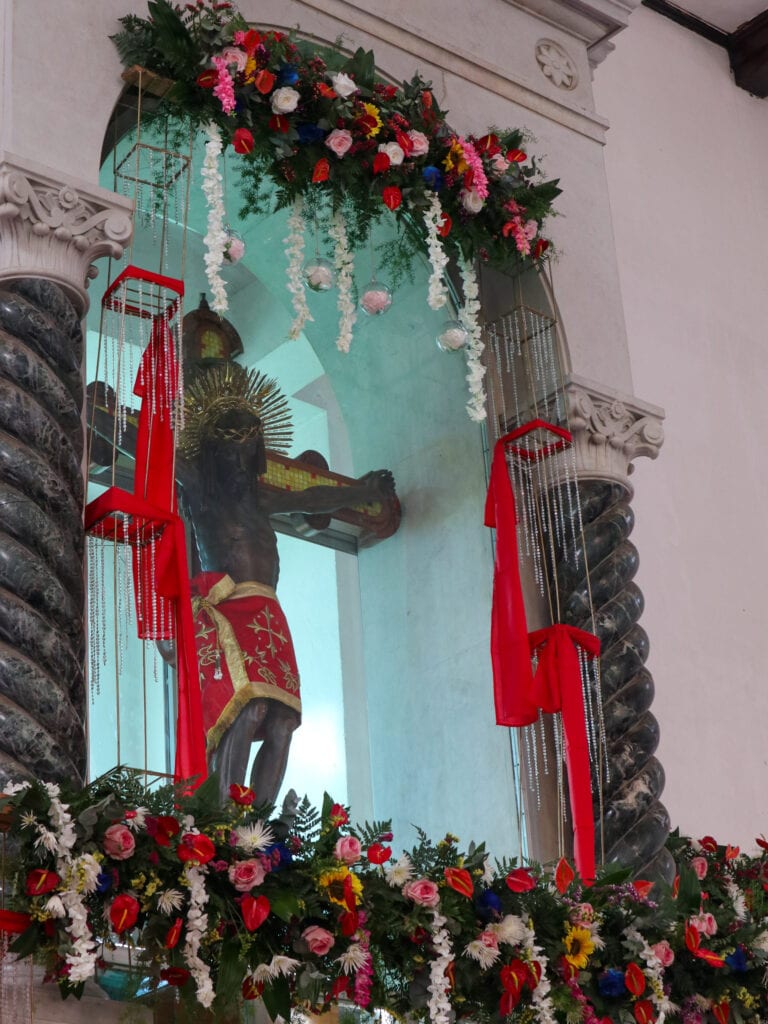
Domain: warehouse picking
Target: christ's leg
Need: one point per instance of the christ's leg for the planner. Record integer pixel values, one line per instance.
(230, 759)
(272, 759)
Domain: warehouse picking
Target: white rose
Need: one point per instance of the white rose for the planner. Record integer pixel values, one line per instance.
(285, 100)
(343, 84)
(394, 152)
(472, 201)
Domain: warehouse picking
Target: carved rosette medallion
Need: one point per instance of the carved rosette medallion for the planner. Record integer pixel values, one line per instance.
(556, 64)
(56, 229)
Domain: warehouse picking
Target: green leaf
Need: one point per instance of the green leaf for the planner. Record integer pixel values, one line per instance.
(277, 999)
(285, 905)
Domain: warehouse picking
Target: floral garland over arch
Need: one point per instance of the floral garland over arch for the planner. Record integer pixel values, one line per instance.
(342, 147)
(307, 910)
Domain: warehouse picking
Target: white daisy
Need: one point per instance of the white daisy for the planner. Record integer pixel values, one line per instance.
(169, 900)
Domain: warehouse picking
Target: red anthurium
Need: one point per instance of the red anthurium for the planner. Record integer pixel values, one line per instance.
(174, 934)
(349, 923)
(264, 81)
(252, 989)
(709, 957)
(692, 938)
(708, 844)
(460, 881)
(516, 156)
(634, 979)
(731, 852)
(195, 848)
(445, 225)
(643, 1011)
(339, 816)
(40, 881)
(488, 144)
(340, 987)
(469, 178)
(568, 970)
(242, 795)
(762, 842)
(324, 90)
(175, 975)
(350, 900)
(163, 828)
(242, 141)
(255, 911)
(392, 197)
(520, 880)
(251, 41)
(508, 1002)
(509, 228)
(321, 171)
(514, 976)
(381, 163)
(642, 887)
(278, 123)
(564, 875)
(208, 78)
(450, 974)
(721, 1011)
(540, 248)
(378, 854)
(534, 974)
(676, 886)
(123, 913)
(405, 142)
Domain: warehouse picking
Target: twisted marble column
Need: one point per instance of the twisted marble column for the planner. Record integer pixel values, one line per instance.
(631, 823)
(50, 233)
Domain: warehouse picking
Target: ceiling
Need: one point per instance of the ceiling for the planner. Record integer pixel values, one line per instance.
(726, 15)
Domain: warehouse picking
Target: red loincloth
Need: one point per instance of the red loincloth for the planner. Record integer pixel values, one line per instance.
(240, 629)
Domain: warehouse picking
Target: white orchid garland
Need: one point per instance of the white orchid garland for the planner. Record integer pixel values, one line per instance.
(544, 1010)
(216, 238)
(440, 1009)
(654, 972)
(344, 261)
(294, 248)
(433, 218)
(469, 317)
(197, 922)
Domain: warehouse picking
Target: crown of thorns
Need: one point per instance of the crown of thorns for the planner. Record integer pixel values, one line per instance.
(220, 390)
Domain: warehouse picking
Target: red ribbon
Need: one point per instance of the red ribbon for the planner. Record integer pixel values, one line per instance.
(12, 923)
(557, 686)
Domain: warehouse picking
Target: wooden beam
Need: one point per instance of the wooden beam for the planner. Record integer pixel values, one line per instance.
(748, 51)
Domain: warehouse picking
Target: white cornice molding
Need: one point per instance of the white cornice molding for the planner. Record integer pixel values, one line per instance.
(55, 227)
(594, 22)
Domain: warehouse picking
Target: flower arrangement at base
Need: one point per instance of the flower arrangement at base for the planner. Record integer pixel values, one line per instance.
(318, 127)
(229, 904)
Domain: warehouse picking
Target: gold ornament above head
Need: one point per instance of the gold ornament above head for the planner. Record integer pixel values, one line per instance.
(231, 403)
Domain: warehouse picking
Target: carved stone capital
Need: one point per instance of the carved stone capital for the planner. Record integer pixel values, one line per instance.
(610, 430)
(55, 228)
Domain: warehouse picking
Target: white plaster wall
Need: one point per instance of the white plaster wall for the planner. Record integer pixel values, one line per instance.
(686, 160)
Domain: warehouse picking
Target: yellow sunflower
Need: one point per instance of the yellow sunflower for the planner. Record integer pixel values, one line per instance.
(340, 884)
(578, 946)
(373, 121)
(455, 159)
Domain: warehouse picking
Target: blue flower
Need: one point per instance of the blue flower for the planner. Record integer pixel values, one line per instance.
(488, 906)
(737, 960)
(611, 983)
(104, 881)
(309, 133)
(433, 177)
(279, 856)
(287, 75)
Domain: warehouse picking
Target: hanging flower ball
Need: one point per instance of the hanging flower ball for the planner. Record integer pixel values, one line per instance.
(234, 246)
(376, 299)
(319, 274)
(452, 336)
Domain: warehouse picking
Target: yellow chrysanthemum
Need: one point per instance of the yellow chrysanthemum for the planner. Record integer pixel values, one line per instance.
(578, 946)
(339, 883)
(373, 112)
(454, 159)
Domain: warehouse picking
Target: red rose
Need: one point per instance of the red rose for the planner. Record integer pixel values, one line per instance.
(174, 934)
(460, 881)
(123, 913)
(378, 854)
(175, 975)
(242, 141)
(321, 171)
(381, 163)
(255, 911)
(520, 880)
(392, 197)
(40, 881)
(196, 848)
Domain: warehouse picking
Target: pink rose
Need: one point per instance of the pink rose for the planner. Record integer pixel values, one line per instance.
(339, 141)
(489, 939)
(245, 874)
(119, 843)
(348, 850)
(236, 56)
(499, 164)
(318, 939)
(422, 891)
(663, 953)
(420, 143)
(704, 923)
(699, 865)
